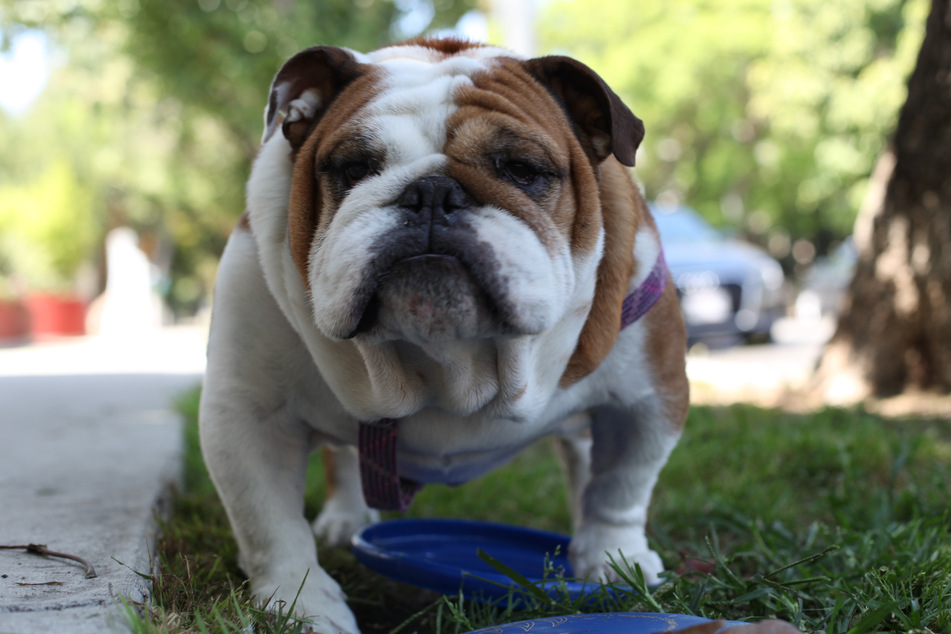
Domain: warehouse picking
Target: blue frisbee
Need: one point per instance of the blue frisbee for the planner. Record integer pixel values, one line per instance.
(612, 623)
(443, 555)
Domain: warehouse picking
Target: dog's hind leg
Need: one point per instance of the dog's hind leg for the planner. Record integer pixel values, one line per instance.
(344, 511)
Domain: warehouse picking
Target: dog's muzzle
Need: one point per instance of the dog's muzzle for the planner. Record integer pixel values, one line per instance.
(431, 277)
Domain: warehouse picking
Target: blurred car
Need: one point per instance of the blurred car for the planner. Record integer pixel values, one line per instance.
(823, 285)
(726, 287)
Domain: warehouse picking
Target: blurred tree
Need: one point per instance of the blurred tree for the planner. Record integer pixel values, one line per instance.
(218, 56)
(157, 105)
(62, 214)
(764, 115)
(894, 334)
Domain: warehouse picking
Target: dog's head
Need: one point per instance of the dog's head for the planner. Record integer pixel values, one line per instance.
(442, 190)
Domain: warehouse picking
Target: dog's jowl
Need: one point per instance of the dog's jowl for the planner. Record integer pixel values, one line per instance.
(444, 258)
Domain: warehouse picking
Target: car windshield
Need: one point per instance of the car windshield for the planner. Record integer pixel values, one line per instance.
(684, 225)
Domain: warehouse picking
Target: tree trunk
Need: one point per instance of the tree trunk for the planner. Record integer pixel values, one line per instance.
(894, 334)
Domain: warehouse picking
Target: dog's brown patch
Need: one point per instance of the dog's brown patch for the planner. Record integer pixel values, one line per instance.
(448, 46)
(244, 222)
(310, 207)
(508, 100)
(506, 112)
(622, 210)
(666, 354)
(330, 471)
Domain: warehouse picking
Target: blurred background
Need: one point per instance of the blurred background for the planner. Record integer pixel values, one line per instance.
(127, 129)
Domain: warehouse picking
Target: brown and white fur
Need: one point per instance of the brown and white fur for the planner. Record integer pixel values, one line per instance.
(483, 320)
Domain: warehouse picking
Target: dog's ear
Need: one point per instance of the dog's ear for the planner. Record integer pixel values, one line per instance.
(604, 124)
(304, 88)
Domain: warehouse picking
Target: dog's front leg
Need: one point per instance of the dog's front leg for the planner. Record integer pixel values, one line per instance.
(629, 448)
(344, 512)
(259, 468)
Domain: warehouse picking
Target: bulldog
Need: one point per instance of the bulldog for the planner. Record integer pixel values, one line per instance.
(443, 259)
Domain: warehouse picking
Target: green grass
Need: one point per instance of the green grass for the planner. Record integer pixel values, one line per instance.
(836, 521)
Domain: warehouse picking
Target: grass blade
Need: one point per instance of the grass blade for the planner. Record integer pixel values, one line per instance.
(804, 561)
(515, 576)
(873, 618)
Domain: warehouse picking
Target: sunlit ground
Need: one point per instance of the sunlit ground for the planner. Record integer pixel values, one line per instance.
(170, 350)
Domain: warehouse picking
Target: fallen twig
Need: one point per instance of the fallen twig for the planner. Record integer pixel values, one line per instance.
(41, 549)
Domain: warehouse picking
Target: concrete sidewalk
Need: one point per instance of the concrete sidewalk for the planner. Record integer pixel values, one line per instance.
(89, 442)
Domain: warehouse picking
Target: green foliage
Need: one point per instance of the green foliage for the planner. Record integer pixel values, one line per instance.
(218, 58)
(55, 210)
(764, 115)
(835, 521)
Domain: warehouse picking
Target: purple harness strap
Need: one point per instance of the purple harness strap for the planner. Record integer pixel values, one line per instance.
(385, 490)
(643, 298)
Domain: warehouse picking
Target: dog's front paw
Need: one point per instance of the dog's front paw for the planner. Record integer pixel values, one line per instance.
(320, 603)
(338, 521)
(596, 543)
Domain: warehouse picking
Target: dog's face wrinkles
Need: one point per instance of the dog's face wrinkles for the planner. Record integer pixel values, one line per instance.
(438, 219)
(442, 215)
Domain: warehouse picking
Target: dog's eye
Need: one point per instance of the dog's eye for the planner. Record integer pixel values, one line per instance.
(356, 172)
(520, 173)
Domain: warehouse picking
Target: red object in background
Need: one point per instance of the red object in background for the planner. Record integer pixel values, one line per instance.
(56, 316)
(14, 321)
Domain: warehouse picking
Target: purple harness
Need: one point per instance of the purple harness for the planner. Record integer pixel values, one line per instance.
(385, 490)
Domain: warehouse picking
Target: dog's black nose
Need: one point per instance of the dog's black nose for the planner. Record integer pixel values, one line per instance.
(434, 198)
